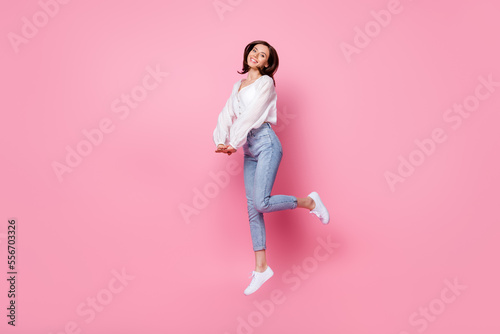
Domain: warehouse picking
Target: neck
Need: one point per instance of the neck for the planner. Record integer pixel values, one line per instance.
(253, 74)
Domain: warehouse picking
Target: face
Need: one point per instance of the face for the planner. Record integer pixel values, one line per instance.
(258, 56)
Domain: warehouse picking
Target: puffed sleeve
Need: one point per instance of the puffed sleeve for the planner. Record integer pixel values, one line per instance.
(255, 114)
(224, 122)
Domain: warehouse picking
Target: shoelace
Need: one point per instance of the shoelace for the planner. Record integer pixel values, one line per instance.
(253, 276)
(315, 212)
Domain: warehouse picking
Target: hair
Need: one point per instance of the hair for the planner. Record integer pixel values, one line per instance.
(272, 60)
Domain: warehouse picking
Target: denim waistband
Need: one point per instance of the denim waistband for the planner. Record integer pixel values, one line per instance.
(253, 132)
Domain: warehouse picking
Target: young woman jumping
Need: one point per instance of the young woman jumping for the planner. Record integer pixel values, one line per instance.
(245, 121)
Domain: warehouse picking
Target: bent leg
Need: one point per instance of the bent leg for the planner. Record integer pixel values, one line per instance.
(268, 162)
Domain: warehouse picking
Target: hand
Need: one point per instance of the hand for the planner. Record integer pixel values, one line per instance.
(221, 148)
(228, 149)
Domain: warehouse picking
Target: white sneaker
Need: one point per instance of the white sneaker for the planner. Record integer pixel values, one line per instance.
(257, 280)
(320, 209)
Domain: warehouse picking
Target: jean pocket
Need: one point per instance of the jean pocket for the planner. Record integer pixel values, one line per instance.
(262, 139)
(262, 134)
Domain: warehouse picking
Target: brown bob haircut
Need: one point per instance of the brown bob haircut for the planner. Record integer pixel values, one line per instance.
(273, 60)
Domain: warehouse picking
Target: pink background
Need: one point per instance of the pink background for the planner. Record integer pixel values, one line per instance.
(343, 124)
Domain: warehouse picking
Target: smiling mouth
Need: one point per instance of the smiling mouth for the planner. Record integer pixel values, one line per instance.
(254, 61)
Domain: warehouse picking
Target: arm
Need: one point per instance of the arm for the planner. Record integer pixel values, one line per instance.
(255, 114)
(224, 122)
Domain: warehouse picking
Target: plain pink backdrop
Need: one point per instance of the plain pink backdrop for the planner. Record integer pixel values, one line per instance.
(343, 124)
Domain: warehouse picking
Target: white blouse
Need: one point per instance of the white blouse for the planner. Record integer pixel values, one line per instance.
(246, 110)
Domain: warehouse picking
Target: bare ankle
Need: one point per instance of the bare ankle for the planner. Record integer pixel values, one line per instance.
(306, 202)
(261, 268)
(312, 203)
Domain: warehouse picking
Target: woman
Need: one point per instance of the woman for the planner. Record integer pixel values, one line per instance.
(245, 121)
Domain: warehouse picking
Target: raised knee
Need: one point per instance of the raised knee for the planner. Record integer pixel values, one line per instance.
(262, 205)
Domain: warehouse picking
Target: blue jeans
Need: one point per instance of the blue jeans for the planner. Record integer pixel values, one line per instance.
(262, 157)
